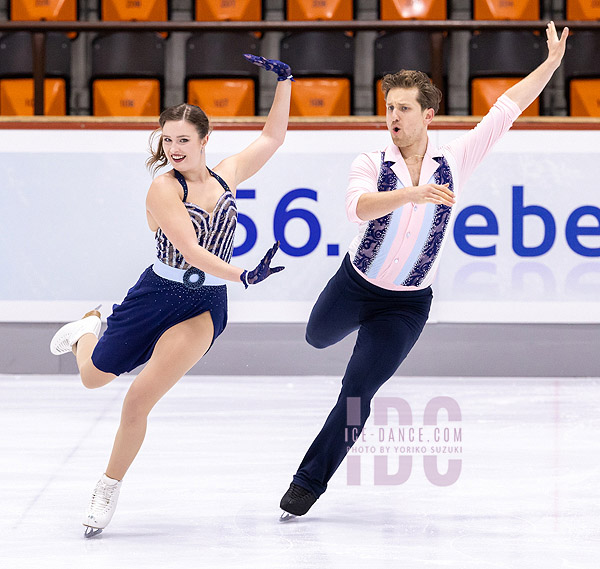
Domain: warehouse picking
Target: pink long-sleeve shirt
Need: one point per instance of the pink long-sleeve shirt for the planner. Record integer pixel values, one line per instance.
(401, 251)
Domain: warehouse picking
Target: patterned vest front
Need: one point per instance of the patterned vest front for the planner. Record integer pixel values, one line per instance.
(377, 228)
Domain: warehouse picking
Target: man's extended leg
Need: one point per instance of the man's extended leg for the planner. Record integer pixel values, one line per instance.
(384, 340)
(336, 312)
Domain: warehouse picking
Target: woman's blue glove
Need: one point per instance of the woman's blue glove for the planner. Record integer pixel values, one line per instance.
(282, 69)
(263, 270)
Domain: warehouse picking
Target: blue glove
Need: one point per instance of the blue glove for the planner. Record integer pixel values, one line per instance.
(263, 270)
(282, 69)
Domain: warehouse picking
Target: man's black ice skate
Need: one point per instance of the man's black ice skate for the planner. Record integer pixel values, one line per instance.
(296, 502)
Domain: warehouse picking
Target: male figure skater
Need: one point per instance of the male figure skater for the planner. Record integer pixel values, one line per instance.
(402, 198)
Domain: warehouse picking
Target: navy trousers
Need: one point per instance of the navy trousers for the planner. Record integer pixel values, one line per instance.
(388, 323)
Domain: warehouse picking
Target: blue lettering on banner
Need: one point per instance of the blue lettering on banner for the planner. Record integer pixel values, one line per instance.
(281, 218)
(471, 221)
(247, 223)
(519, 212)
(461, 230)
(574, 230)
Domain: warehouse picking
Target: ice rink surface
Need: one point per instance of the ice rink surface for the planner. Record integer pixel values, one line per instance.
(220, 452)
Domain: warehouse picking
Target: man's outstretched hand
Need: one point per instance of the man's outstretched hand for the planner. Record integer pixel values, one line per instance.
(556, 46)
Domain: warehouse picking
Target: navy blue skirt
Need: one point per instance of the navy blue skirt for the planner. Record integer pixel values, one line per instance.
(151, 307)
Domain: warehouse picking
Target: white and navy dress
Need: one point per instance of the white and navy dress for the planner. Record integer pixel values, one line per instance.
(155, 303)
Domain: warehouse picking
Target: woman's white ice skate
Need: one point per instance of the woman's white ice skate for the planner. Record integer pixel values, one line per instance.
(70, 333)
(102, 506)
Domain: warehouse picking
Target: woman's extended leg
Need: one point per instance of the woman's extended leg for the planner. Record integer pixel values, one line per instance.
(178, 349)
(81, 337)
(91, 376)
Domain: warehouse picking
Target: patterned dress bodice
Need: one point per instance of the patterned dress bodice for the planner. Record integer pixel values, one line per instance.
(215, 232)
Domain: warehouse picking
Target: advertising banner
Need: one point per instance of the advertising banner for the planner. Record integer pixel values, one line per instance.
(525, 246)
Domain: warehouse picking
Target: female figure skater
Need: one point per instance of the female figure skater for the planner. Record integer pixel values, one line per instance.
(178, 307)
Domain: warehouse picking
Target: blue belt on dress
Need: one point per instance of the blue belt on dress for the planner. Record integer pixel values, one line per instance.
(190, 278)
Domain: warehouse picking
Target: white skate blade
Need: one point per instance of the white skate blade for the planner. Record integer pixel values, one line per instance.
(91, 532)
(286, 517)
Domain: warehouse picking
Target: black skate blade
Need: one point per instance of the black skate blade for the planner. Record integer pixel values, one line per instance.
(91, 532)
(286, 517)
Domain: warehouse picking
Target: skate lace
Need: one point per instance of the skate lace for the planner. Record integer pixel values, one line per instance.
(298, 493)
(102, 497)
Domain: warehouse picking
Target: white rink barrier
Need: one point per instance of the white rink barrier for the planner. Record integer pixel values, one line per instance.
(525, 246)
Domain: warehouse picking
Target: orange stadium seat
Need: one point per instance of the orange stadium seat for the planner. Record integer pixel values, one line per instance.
(379, 98)
(584, 98)
(506, 9)
(323, 66)
(127, 74)
(16, 82)
(218, 78)
(497, 61)
(413, 9)
(28, 10)
(126, 97)
(51, 10)
(319, 10)
(485, 92)
(222, 10)
(16, 97)
(223, 97)
(321, 97)
(582, 72)
(583, 10)
(395, 51)
(140, 10)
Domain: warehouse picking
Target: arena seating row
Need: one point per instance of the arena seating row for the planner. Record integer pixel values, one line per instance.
(252, 10)
(128, 71)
